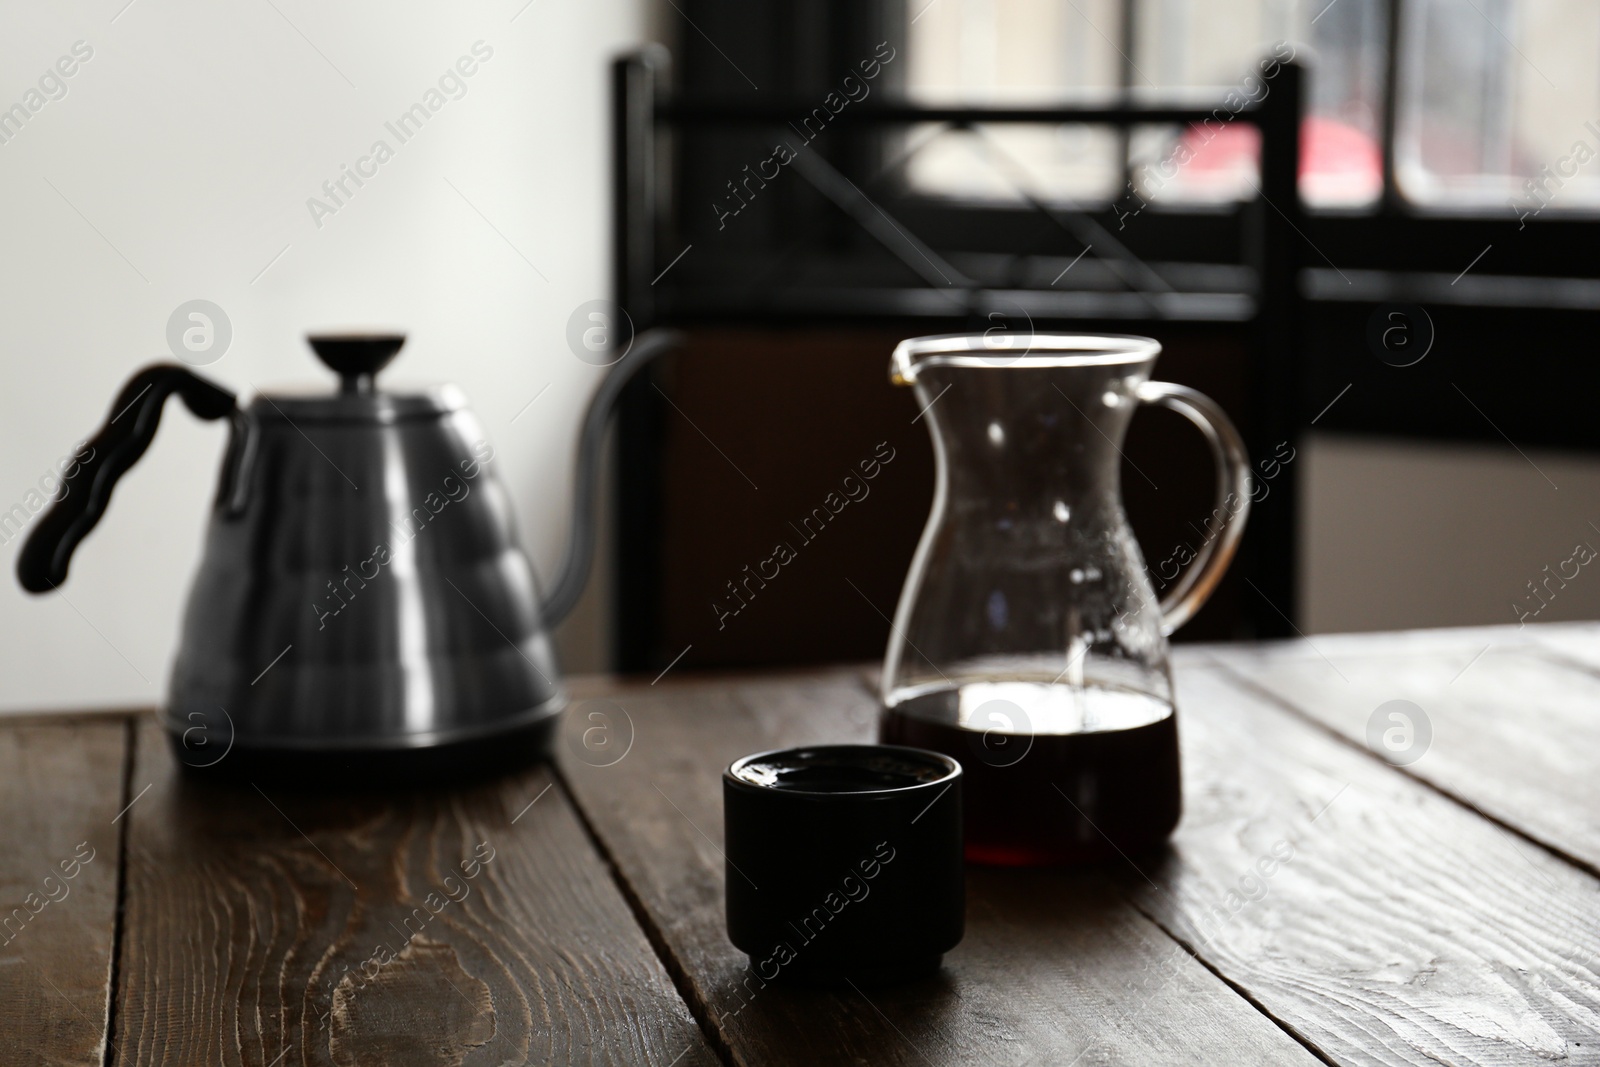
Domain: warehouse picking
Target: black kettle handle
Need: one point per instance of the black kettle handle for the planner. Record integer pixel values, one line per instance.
(116, 446)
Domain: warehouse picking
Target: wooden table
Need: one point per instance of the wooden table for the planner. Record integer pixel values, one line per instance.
(1317, 903)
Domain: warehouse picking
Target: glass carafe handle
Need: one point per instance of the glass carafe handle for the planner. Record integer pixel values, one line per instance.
(1226, 523)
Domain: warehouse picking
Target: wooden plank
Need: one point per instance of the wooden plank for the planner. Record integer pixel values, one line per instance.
(1575, 641)
(1402, 927)
(61, 786)
(476, 926)
(93, 717)
(1054, 969)
(1511, 730)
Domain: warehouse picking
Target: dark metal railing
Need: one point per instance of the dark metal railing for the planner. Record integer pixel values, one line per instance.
(1273, 226)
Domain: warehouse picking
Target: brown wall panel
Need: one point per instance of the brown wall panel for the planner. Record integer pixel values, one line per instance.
(764, 424)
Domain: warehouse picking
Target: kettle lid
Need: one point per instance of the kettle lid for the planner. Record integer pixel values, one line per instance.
(357, 357)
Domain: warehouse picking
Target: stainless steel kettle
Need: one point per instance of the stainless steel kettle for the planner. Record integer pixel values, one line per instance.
(363, 606)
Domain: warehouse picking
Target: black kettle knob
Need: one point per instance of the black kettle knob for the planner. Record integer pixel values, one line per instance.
(356, 357)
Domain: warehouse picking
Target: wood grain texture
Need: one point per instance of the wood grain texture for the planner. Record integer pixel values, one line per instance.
(1403, 927)
(1356, 906)
(1054, 969)
(1514, 731)
(61, 785)
(459, 927)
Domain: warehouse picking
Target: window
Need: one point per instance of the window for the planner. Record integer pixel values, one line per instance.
(1015, 52)
(1490, 92)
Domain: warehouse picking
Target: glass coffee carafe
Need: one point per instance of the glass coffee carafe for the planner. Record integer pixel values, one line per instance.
(1029, 643)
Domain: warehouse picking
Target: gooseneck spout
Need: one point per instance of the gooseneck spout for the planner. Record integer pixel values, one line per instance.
(573, 573)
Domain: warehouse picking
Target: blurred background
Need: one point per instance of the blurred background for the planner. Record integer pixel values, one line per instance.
(1381, 269)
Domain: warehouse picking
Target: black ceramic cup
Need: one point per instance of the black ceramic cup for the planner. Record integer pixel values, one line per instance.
(844, 862)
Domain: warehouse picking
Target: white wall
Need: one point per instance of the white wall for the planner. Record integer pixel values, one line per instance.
(1400, 534)
(181, 158)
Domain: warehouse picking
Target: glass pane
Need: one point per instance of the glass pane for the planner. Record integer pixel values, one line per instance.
(990, 52)
(1013, 51)
(1499, 102)
(1187, 49)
